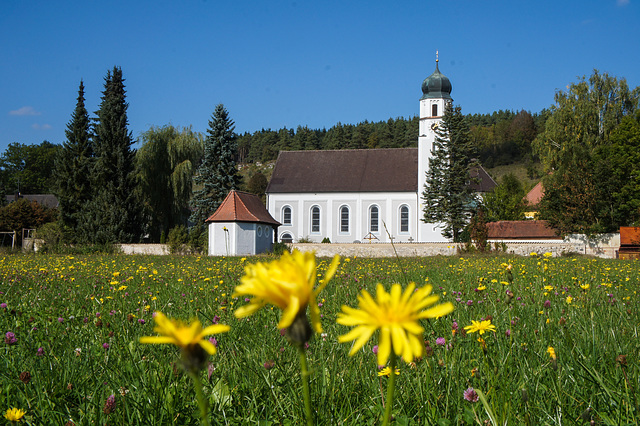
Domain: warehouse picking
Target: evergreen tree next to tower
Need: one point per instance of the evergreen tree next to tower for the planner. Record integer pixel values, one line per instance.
(448, 197)
(114, 213)
(218, 172)
(73, 167)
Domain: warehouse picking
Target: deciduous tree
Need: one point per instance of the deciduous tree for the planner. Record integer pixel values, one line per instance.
(167, 161)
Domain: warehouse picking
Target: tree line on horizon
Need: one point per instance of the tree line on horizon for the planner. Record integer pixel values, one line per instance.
(111, 192)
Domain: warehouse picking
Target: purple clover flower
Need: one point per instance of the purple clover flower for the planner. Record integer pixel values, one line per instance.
(470, 395)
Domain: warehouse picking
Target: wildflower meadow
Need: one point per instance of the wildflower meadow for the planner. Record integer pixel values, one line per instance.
(115, 339)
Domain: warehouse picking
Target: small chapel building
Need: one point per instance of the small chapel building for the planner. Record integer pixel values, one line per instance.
(241, 226)
(367, 195)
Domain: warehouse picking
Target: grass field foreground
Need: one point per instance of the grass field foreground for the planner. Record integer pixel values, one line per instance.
(565, 347)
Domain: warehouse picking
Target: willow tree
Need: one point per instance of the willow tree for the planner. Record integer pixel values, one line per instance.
(166, 163)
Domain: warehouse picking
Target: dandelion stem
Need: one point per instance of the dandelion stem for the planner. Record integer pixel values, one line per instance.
(305, 385)
(390, 389)
(202, 401)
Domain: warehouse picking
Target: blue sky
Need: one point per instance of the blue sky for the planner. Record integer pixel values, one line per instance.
(283, 63)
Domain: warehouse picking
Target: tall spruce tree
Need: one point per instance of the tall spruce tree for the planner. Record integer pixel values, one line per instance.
(218, 172)
(448, 198)
(73, 168)
(114, 213)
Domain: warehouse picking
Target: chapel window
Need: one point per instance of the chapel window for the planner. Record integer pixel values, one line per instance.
(315, 219)
(286, 215)
(344, 219)
(373, 219)
(404, 219)
(434, 110)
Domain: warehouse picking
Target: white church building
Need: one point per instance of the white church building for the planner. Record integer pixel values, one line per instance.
(367, 195)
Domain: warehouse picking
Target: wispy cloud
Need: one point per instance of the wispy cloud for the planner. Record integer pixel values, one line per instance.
(37, 126)
(25, 110)
(622, 2)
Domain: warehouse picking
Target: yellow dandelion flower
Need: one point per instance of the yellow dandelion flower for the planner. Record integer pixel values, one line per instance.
(584, 286)
(569, 299)
(14, 414)
(287, 283)
(387, 372)
(396, 315)
(552, 352)
(188, 337)
(480, 327)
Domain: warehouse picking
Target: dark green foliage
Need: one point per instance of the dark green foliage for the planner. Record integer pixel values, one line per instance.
(28, 169)
(264, 145)
(218, 172)
(52, 236)
(449, 200)
(184, 241)
(166, 163)
(478, 231)
(257, 184)
(73, 167)
(25, 214)
(589, 147)
(506, 201)
(114, 214)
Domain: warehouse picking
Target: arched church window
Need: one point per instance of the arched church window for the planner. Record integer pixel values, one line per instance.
(373, 219)
(286, 238)
(434, 110)
(315, 219)
(344, 219)
(404, 219)
(286, 215)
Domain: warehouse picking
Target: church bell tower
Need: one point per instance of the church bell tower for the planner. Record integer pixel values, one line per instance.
(436, 94)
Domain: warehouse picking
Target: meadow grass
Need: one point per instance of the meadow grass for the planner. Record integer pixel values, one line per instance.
(77, 321)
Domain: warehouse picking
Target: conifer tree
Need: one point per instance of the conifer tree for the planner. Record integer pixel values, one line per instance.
(114, 213)
(449, 199)
(73, 167)
(218, 172)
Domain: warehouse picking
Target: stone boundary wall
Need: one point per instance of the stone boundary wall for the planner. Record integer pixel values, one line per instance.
(605, 246)
(606, 250)
(156, 249)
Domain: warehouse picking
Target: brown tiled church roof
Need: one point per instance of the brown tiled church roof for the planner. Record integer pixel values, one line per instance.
(353, 170)
(521, 229)
(241, 206)
(534, 196)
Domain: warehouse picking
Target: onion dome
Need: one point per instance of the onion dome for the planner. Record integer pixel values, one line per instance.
(436, 86)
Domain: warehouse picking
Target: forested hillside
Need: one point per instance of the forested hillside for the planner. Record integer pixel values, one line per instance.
(501, 138)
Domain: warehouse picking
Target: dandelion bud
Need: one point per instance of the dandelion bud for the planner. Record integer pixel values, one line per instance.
(509, 297)
(194, 357)
(299, 332)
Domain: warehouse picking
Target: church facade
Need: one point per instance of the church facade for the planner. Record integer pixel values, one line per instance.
(368, 195)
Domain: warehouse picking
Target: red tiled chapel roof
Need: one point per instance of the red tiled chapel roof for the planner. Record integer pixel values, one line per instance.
(241, 206)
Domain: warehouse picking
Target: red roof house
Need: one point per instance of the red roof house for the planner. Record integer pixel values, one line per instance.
(521, 230)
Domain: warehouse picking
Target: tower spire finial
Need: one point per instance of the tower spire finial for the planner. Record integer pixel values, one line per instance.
(437, 56)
